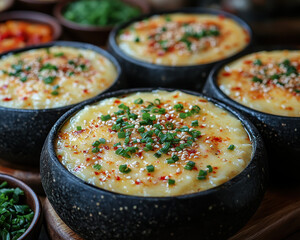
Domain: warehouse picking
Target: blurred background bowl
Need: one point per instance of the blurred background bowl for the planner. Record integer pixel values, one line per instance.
(88, 33)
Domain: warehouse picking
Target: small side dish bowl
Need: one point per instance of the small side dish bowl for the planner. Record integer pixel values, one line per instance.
(23, 131)
(30, 199)
(280, 132)
(156, 62)
(27, 17)
(37, 5)
(95, 213)
(88, 33)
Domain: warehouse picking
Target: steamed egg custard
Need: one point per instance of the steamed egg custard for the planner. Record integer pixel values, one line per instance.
(154, 144)
(265, 81)
(53, 77)
(182, 39)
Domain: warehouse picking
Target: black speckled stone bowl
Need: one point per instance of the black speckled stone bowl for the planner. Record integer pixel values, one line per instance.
(143, 74)
(23, 131)
(281, 134)
(32, 200)
(95, 213)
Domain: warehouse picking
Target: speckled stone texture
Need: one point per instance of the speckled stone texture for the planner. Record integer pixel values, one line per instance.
(143, 74)
(281, 134)
(99, 214)
(23, 131)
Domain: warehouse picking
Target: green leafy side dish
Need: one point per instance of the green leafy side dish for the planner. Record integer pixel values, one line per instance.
(15, 218)
(99, 12)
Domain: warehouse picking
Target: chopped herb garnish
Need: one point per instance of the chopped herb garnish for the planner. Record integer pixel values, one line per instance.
(195, 123)
(150, 168)
(121, 134)
(178, 107)
(171, 181)
(95, 150)
(97, 166)
(257, 79)
(139, 101)
(157, 154)
(105, 117)
(54, 93)
(60, 54)
(79, 128)
(257, 62)
(195, 109)
(49, 79)
(137, 40)
(190, 165)
(210, 169)
(231, 147)
(15, 217)
(202, 175)
(124, 169)
(23, 79)
(48, 66)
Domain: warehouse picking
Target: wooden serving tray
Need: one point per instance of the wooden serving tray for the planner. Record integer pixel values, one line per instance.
(29, 175)
(278, 217)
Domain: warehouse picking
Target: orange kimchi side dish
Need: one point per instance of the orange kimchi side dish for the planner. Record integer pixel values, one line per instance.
(18, 34)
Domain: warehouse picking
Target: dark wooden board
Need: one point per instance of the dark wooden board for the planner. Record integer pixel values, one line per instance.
(278, 217)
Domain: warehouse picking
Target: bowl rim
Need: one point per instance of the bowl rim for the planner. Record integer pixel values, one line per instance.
(212, 79)
(113, 34)
(59, 7)
(254, 135)
(36, 202)
(7, 6)
(33, 16)
(79, 45)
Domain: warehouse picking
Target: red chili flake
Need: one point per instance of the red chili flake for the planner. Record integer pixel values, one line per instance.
(77, 168)
(226, 74)
(117, 101)
(115, 148)
(86, 91)
(118, 178)
(137, 183)
(96, 173)
(87, 159)
(75, 152)
(148, 174)
(6, 99)
(216, 139)
(139, 154)
(163, 178)
(214, 172)
(176, 96)
(202, 100)
(236, 89)
(96, 126)
(289, 108)
(191, 151)
(248, 62)
(24, 98)
(216, 168)
(110, 130)
(59, 156)
(106, 147)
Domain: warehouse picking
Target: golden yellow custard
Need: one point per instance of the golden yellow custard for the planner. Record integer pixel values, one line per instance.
(53, 77)
(183, 39)
(265, 81)
(154, 144)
